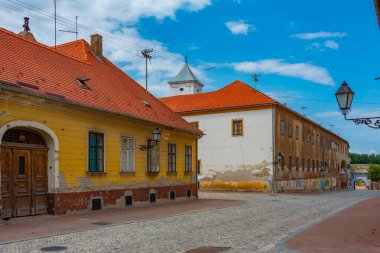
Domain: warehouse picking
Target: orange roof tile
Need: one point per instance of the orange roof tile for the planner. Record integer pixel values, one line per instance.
(53, 74)
(234, 95)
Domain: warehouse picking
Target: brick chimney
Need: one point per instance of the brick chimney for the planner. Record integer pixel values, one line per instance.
(97, 45)
(26, 33)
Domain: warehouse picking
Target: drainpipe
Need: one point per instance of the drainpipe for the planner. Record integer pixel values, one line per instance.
(196, 166)
(273, 149)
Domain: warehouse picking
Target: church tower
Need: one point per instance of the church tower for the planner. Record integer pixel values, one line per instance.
(185, 82)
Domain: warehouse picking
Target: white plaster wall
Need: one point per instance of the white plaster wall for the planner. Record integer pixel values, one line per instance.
(220, 151)
(188, 88)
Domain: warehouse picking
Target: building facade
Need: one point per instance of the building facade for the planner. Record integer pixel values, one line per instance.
(246, 132)
(76, 133)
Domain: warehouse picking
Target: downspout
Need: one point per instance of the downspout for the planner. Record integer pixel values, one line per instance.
(273, 149)
(196, 167)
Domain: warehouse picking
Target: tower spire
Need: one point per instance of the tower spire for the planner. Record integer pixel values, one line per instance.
(186, 58)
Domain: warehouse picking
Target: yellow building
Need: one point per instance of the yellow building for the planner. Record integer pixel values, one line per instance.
(77, 133)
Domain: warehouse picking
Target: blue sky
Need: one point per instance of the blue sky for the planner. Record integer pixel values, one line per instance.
(302, 49)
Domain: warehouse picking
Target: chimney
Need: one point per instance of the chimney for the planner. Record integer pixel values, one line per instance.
(26, 32)
(97, 45)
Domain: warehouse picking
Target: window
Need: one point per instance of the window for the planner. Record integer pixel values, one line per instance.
(237, 127)
(172, 157)
(308, 136)
(96, 152)
(308, 164)
(297, 133)
(317, 168)
(282, 127)
(290, 128)
(290, 163)
(317, 139)
(297, 163)
(127, 154)
(188, 159)
(303, 134)
(283, 162)
(313, 165)
(303, 164)
(153, 159)
(312, 138)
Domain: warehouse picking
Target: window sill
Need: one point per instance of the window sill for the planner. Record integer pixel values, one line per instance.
(171, 173)
(151, 173)
(100, 173)
(188, 172)
(127, 173)
(238, 135)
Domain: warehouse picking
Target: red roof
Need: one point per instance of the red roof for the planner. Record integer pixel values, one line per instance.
(53, 73)
(234, 95)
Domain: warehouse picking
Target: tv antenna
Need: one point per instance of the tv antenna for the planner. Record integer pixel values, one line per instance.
(331, 127)
(76, 29)
(256, 79)
(146, 54)
(303, 110)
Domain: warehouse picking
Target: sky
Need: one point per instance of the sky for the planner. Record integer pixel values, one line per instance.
(303, 50)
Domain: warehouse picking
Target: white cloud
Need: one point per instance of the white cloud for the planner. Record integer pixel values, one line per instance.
(331, 44)
(117, 18)
(239, 27)
(318, 35)
(304, 71)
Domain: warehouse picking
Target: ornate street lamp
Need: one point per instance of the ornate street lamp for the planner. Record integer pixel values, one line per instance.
(154, 142)
(345, 96)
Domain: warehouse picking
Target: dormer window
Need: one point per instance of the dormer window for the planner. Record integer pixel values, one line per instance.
(146, 103)
(82, 82)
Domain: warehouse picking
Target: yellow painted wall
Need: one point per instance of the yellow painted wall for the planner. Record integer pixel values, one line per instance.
(72, 124)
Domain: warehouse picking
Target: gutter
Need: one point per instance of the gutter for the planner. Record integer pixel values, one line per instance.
(62, 100)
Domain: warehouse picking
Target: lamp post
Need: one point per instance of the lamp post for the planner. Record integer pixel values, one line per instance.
(154, 142)
(345, 96)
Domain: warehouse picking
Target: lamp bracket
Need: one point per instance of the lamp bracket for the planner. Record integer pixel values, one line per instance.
(372, 122)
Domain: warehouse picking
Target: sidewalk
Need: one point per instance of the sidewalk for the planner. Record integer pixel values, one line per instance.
(47, 225)
(356, 229)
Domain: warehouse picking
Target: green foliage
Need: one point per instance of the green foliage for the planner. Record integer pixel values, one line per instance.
(364, 158)
(374, 172)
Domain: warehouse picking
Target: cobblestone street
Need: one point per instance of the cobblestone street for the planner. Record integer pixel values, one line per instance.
(255, 226)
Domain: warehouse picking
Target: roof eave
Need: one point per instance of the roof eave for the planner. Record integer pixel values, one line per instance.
(65, 101)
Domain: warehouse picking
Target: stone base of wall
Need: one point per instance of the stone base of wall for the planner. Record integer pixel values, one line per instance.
(312, 184)
(257, 186)
(62, 203)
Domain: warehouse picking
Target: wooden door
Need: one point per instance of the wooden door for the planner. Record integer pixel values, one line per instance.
(39, 181)
(22, 183)
(6, 182)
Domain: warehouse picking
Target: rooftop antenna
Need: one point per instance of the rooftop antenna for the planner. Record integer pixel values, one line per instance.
(331, 127)
(255, 79)
(146, 54)
(186, 58)
(76, 29)
(303, 110)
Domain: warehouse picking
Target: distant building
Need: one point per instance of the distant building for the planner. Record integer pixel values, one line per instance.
(246, 132)
(76, 133)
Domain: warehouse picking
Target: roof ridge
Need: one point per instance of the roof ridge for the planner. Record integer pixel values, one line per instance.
(38, 44)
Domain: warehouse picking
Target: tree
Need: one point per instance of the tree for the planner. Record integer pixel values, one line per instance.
(364, 158)
(374, 172)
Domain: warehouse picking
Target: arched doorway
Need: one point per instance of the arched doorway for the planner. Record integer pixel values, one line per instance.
(24, 179)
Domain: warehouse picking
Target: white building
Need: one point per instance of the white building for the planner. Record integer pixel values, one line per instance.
(245, 138)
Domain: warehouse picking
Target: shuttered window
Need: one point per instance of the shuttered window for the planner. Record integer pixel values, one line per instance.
(127, 154)
(188, 159)
(172, 157)
(96, 152)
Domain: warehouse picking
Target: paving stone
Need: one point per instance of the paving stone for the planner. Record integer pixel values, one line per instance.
(255, 226)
